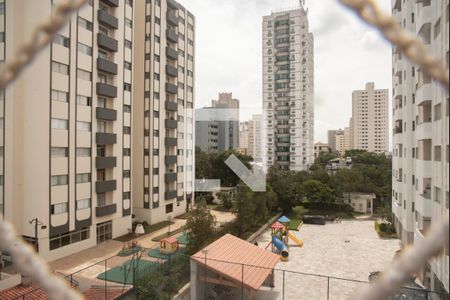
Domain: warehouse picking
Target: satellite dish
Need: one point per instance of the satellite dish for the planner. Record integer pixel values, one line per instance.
(139, 229)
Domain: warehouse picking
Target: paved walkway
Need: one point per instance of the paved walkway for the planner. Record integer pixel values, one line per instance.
(351, 250)
(91, 256)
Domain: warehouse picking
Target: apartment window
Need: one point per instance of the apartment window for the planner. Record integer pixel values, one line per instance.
(156, 133)
(84, 152)
(127, 65)
(437, 28)
(83, 126)
(155, 95)
(61, 40)
(126, 173)
(155, 152)
(59, 152)
(104, 232)
(84, 75)
(60, 68)
(83, 178)
(59, 180)
(128, 23)
(191, 42)
(60, 124)
(85, 49)
(2, 37)
(101, 199)
(65, 239)
(83, 204)
(157, 20)
(126, 196)
(2, 8)
(157, 39)
(126, 152)
(128, 44)
(101, 126)
(127, 87)
(437, 194)
(437, 112)
(83, 100)
(437, 153)
(126, 130)
(169, 208)
(155, 171)
(60, 208)
(146, 171)
(157, 58)
(83, 23)
(101, 102)
(127, 108)
(60, 96)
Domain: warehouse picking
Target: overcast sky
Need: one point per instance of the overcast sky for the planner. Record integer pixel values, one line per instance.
(229, 55)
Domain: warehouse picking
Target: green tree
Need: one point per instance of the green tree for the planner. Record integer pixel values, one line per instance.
(245, 209)
(317, 191)
(221, 171)
(200, 225)
(225, 198)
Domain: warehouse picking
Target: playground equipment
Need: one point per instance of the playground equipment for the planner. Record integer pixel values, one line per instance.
(282, 248)
(281, 236)
(169, 245)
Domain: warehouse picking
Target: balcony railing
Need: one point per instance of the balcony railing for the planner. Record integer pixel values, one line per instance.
(106, 210)
(106, 66)
(108, 20)
(105, 186)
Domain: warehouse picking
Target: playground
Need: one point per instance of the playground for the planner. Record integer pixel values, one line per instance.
(350, 249)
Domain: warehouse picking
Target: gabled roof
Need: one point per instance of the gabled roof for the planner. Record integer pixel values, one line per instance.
(170, 240)
(229, 255)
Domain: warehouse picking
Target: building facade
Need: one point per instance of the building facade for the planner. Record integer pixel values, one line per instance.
(370, 119)
(254, 138)
(72, 142)
(420, 136)
(67, 128)
(244, 137)
(332, 138)
(288, 90)
(321, 148)
(164, 52)
(217, 127)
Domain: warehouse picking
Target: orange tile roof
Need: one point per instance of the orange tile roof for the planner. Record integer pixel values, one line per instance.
(170, 240)
(227, 255)
(30, 292)
(99, 293)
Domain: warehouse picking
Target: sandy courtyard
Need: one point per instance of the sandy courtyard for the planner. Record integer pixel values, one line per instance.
(326, 252)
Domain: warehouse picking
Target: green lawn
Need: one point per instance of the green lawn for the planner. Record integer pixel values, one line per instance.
(154, 227)
(124, 274)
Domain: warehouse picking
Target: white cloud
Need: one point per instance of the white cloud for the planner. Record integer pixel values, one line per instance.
(348, 54)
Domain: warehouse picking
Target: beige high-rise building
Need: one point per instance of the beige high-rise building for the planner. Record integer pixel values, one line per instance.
(321, 148)
(244, 137)
(370, 119)
(163, 151)
(420, 163)
(80, 152)
(255, 138)
(67, 127)
(288, 90)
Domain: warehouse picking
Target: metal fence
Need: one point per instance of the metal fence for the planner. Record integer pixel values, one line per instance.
(140, 276)
(209, 284)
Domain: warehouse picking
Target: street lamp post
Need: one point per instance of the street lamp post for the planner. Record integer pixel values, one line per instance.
(169, 218)
(37, 223)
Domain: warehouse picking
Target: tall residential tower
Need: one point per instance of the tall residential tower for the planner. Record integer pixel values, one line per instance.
(163, 150)
(420, 183)
(370, 119)
(67, 127)
(288, 90)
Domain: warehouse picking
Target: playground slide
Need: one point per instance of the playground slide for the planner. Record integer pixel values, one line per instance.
(295, 239)
(284, 254)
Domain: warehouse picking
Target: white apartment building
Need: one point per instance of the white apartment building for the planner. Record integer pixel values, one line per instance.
(288, 90)
(79, 151)
(243, 137)
(163, 151)
(66, 127)
(420, 139)
(370, 119)
(254, 138)
(319, 148)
